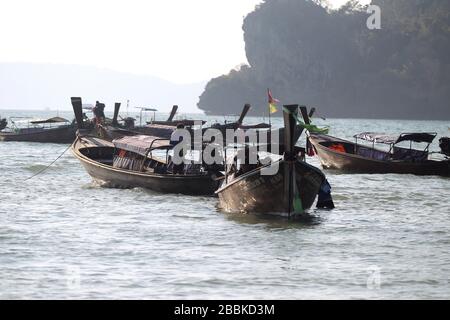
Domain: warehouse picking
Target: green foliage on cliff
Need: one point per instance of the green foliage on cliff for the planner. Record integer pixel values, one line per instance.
(311, 55)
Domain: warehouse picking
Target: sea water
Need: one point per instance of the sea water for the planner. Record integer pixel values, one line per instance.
(63, 236)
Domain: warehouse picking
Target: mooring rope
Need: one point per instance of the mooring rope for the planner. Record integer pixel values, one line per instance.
(40, 171)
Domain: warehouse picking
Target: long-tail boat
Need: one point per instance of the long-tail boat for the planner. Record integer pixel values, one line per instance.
(107, 129)
(353, 157)
(158, 128)
(175, 122)
(113, 128)
(166, 128)
(290, 191)
(127, 162)
(239, 123)
(52, 130)
(130, 161)
(263, 131)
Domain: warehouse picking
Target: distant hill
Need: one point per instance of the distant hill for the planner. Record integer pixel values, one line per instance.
(41, 86)
(310, 55)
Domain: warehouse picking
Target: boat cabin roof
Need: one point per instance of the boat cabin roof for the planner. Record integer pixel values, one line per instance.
(141, 144)
(50, 120)
(87, 106)
(427, 137)
(147, 109)
(161, 126)
(174, 123)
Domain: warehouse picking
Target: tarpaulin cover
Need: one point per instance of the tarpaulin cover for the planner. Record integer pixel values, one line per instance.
(140, 144)
(51, 120)
(392, 139)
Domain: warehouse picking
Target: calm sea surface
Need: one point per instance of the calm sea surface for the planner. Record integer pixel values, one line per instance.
(64, 237)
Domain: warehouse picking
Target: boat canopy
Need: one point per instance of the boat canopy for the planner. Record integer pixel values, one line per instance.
(427, 137)
(141, 144)
(147, 109)
(161, 126)
(174, 123)
(50, 120)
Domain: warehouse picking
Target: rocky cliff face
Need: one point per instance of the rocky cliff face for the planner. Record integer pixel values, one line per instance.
(309, 55)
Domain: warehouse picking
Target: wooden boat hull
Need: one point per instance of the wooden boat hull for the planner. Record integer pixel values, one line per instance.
(257, 193)
(90, 155)
(353, 163)
(52, 135)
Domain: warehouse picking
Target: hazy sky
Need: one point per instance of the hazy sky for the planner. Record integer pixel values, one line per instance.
(178, 40)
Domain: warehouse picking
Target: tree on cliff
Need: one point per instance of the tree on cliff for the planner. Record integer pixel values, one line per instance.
(312, 55)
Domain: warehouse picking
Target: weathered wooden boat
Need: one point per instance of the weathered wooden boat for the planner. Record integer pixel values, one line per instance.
(128, 162)
(3, 123)
(166, 128)
(261, 132)
(175, 122)
(239, 123)
(157, 128)
(162, 129)
(107, 129)
(52, 130)
(111, 129)
(340, 154)
(289, 192)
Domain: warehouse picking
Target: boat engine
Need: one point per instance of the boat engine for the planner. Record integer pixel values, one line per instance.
(444, 144)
